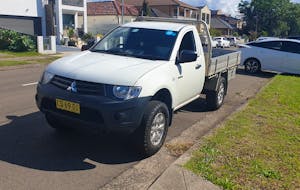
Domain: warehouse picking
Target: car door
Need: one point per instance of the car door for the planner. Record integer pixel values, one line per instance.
(292, 57)
(189, 76)
(270, 55)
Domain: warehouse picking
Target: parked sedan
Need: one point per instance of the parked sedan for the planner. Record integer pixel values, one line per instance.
(279, 55)
(222, 42)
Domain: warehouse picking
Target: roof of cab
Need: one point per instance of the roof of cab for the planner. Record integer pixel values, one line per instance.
(157, 25)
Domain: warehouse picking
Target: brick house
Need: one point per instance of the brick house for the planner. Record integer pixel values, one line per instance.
(103, 16)
(167, 8)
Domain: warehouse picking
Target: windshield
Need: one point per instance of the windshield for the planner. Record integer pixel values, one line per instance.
(138, 42)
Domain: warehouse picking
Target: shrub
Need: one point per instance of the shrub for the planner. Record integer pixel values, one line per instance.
(14, 41)
(87, 37)
(21, 43)
(5, 38)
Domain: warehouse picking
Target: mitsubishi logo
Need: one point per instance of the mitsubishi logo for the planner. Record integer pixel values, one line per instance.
(72, 87)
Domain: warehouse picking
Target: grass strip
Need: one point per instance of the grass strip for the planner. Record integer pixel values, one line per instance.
(20, 54)
(259, 147)
(31, 61)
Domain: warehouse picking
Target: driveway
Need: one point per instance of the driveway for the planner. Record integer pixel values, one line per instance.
(34, 156)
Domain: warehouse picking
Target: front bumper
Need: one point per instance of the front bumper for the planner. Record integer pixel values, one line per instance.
(99, 111)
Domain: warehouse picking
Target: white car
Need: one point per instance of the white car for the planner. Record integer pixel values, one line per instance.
(233, 41)
(222, 42)
(279, 55)
(214, 43)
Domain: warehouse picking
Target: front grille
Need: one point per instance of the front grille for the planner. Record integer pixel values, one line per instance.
(86, 114)
(83, 87)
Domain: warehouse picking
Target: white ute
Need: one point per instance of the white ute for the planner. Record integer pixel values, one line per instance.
(135, 78)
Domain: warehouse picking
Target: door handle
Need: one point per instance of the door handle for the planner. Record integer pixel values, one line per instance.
(198, 66)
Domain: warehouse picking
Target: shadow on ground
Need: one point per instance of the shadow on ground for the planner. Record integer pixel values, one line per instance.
(261, 74)
(28, 141)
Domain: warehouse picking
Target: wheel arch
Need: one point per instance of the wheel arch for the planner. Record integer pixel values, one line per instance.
(249, 58)
(164, 95)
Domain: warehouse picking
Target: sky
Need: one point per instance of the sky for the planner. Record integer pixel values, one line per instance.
(227, 6)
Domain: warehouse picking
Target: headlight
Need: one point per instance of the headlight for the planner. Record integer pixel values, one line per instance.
(46, 77)
(126, 92)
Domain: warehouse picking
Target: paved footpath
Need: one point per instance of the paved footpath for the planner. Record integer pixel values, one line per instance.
(34, 156)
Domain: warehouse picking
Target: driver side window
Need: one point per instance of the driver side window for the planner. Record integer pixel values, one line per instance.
(188, 42)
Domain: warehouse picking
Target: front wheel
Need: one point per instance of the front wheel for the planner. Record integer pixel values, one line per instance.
(215, 99)
(150, 136)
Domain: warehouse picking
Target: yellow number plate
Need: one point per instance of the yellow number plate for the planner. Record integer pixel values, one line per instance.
(68, 106)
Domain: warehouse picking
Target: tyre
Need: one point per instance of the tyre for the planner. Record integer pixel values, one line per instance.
(252, 66)
(215, 99)
(54, 122)
(152, 133)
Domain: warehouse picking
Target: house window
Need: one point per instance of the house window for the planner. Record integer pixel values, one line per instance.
(207, 19)
(175, 12)
(203, 16)
(181, 12)
(77, 3)
(68, 21)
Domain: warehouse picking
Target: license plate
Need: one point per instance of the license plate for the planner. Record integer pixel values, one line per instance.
(68, 106)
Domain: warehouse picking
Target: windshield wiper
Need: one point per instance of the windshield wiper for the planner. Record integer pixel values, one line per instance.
(97, 50)
(115, 52)
(151, 57)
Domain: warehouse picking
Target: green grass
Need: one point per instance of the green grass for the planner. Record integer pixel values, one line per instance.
(259, 147)
(20, 54)
(31, 61)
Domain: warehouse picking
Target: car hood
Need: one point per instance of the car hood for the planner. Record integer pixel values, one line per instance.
(103, 68)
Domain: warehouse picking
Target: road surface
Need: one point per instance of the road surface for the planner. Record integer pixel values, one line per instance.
(34, 156)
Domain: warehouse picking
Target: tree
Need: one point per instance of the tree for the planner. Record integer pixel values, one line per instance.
(214, 32)
(274, 17)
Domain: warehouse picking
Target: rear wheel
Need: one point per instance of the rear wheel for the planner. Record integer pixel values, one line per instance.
(152, 133)
(216, 98)
(252, 66)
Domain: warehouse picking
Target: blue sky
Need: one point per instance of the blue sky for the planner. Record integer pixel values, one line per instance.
(227, 6)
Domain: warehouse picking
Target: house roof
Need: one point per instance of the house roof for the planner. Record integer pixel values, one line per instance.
(139, 3)
(220, 24)
(157, 13)
(201, 7)
(110, 8)
(216, 12)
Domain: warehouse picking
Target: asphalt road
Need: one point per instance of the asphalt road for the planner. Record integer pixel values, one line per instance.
(34, 156)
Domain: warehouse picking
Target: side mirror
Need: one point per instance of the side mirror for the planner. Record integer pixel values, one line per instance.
(187, 56)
